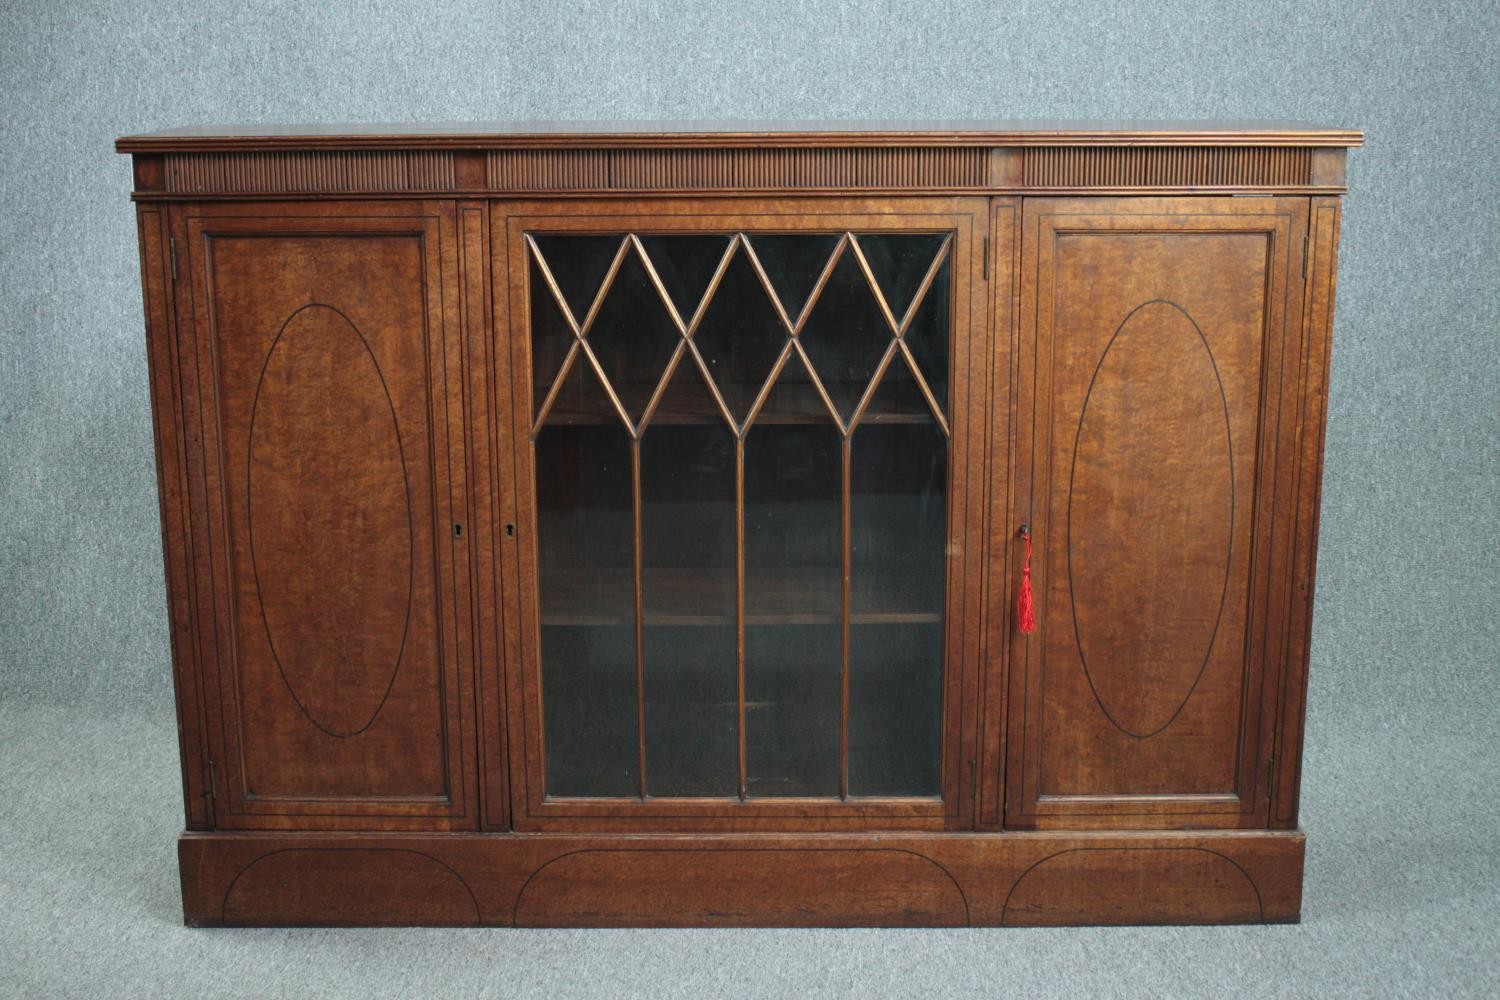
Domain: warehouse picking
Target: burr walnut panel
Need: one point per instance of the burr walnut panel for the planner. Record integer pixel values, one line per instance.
(1142, 677)
(1158, 329)
(340, 668)
(328, 494)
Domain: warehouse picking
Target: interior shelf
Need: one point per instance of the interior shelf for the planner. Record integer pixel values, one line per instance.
(788, 404)
(676, 596)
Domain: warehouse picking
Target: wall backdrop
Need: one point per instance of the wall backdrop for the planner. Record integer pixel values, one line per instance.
(1405, 645)
(1407, 568)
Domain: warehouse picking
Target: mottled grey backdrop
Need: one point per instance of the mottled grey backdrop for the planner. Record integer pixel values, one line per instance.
(1402, 749)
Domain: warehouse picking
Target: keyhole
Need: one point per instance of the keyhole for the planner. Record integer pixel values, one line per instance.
(458, 531)
(510, 530)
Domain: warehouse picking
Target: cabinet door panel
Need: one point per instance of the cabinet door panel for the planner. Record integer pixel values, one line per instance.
(738, 552)
(1155, 331)
(321, 345)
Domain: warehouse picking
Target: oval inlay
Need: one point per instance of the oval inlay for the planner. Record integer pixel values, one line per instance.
(1132, 885)
(349, 887)
(330, 521)
(742, 887)
(1150, 518)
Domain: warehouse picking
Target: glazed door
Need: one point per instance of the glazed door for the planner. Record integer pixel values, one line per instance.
(330, 543)
(1153, 341)
(740, 449)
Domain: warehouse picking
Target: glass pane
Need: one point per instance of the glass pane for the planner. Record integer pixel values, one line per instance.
(550, 338)
(793, 601)
(688, 573)
(895, 709)
(792, 710)
(740, 336)
(795, 400)
(899, 263)
(578, 265)
(899, 400)
(793, 264)
(927, 337)
(580, 400)
(588, 702)
(587, 558)
(685, 265)
(898, 512)
(633, 336)
(793, 530)
(846, 335)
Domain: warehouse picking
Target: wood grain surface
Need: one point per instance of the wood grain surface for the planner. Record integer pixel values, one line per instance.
(345, 413)
(887, 880)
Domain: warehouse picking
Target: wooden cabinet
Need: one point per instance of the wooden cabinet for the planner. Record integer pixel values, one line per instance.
(629, 528)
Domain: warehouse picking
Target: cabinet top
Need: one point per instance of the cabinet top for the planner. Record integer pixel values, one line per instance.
(492, 135)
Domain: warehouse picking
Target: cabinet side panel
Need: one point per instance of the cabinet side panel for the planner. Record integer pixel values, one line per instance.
(157, 287)
(1322, 265)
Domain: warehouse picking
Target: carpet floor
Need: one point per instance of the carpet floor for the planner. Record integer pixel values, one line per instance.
(1402, 899)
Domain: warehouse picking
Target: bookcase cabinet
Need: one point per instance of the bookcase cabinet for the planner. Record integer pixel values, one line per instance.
(656, 525)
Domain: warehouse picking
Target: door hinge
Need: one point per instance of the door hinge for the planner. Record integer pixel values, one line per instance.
(973, 778)
(1270, 771)
(986, 265)
(172, 252)
(213, 783)
(1304, 258)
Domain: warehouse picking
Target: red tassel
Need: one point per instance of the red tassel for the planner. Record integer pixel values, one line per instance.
(1025, 610)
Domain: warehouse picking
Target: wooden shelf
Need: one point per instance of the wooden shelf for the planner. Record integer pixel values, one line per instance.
(689, 597)
(794, 404)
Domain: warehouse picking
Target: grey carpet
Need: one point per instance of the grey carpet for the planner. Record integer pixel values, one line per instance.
(1403, 758)
(1399, 902)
